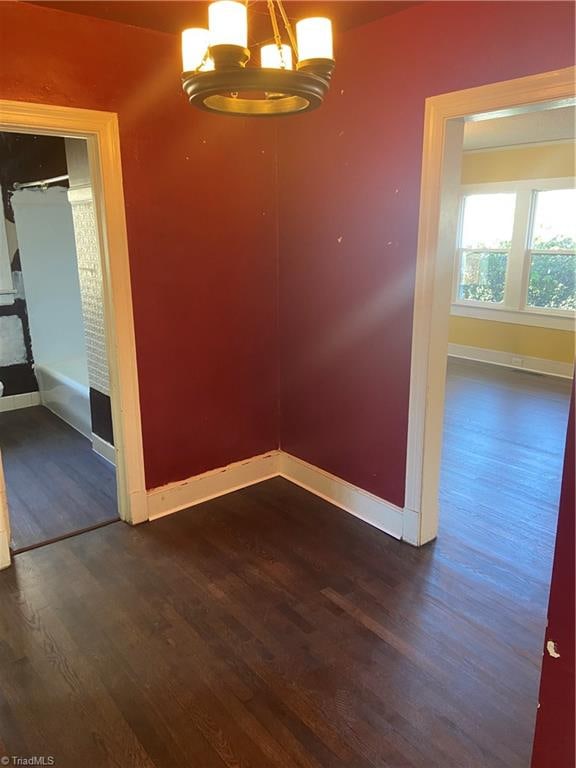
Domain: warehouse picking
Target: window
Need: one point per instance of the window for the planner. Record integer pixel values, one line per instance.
(517, 248)
(485, 245)
(551, 282)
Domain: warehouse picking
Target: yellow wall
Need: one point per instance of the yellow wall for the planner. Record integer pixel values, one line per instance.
(547, 161)
(522, 340)
(512, 164)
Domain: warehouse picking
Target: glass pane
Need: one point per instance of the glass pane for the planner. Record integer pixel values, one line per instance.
(488, 220)
(482, 276)
(555, 220)
(552, 282)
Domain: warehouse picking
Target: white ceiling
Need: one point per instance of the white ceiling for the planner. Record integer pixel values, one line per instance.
(530, 128)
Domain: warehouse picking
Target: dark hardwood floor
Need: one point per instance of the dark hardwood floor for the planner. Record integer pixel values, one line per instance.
(56, 484)
(270, 629)
(504, 435)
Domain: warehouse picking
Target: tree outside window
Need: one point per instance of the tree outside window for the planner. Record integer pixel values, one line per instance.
(490, 237)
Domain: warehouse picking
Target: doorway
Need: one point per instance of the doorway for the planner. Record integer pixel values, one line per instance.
(511, 335)
(56, 433)
(494, 427)
(99, 132)
(445, 119)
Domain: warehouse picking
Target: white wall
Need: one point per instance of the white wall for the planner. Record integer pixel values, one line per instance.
(81, 199)
(48, 256)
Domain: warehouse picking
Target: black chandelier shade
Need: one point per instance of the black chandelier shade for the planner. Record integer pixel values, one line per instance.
(298, 91)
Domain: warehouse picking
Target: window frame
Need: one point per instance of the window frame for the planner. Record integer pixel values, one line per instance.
(476, 302)
(514, 308)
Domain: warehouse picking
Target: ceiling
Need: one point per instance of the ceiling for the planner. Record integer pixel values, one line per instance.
(530, 128)
(175, 15)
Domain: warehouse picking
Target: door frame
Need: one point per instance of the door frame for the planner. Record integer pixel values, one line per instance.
(100, 130)
(445, 116)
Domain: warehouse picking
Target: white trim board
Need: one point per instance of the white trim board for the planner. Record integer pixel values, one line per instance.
(4, 550)
(209, 485)
(218, 482)
(103, 449)
(523, 145)
(4, 523)
(515, 316)
(15, 402)
(372, 509)
(543, 183)
(509, 360)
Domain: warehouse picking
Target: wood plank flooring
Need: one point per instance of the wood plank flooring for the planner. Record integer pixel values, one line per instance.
(268, 629)
(504, 435)
(56, 484)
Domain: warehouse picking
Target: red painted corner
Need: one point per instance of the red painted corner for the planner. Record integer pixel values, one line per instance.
(554, 738)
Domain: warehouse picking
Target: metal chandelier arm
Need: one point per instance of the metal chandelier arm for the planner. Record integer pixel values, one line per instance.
(288, 27)
(274, 22)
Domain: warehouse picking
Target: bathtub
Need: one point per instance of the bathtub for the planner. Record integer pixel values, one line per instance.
(64, 390)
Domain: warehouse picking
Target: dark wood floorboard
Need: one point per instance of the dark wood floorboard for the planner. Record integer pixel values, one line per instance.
(272, 630)
(56, 483)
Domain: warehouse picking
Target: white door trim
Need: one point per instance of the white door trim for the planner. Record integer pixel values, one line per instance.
(444, 120)
(100, 129)
(4, 523)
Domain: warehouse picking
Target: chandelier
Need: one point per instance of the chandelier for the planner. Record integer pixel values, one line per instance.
(216, 76)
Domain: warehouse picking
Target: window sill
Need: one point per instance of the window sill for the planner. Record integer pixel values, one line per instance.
(502, 315)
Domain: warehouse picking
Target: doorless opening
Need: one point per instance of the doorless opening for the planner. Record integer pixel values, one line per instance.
(100, 132)
(445, 117)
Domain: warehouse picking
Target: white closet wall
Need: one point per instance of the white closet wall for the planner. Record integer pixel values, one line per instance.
(50, 273)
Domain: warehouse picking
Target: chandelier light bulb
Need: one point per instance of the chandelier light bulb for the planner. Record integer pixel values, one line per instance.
(271, 58)
(228, 23)
(293, 78)
(314, 39)
(194, 47)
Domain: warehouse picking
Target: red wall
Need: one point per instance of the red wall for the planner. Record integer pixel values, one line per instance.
(348, 196)
(554, 738)
(200, 206)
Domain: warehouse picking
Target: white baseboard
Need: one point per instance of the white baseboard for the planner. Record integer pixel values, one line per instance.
(15, 402)
(217, 482)
(509, 360)
(4, 522)
(104, 449)
(4, 550)
(411, 527)
(372, 509)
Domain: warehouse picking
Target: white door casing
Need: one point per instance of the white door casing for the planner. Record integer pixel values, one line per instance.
(100, 129)
(444, 120)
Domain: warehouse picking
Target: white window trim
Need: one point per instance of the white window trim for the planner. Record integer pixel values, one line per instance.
(520, 317)
(514, 308)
